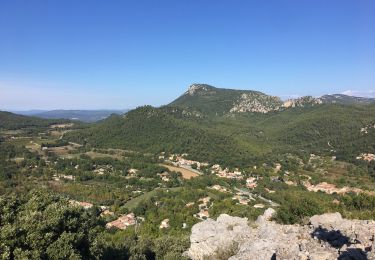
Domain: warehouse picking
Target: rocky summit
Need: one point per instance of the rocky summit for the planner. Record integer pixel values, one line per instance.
(327, 236)
(211, 100)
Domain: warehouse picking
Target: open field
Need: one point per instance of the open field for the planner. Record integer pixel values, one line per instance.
(11, 132)
(186, 174)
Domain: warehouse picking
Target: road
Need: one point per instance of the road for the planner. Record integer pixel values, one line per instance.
(252, 195)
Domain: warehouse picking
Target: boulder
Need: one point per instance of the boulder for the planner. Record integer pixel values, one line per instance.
(328, 236)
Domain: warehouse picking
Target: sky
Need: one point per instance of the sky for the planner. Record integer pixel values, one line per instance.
(117, 54)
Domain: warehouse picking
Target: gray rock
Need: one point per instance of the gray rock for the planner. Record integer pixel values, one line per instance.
(325, 219)
(328, 236)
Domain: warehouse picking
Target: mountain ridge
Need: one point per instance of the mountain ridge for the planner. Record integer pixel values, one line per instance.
(220, 101)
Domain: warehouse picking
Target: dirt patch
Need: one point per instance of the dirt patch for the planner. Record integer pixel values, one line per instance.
(186, 174)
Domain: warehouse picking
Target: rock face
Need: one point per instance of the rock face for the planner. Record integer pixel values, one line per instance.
(327, 236)
(255, 102)
(302, 102)
(195, 88)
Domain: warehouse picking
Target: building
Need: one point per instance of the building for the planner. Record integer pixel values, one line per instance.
(122, 222)
(251, 182)
(164, 224)
(85, 205)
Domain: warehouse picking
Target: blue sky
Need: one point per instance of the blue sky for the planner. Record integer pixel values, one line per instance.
(121, 54)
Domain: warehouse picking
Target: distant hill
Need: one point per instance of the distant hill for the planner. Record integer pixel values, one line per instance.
(346, 100)
(11, 121)
(80, 115)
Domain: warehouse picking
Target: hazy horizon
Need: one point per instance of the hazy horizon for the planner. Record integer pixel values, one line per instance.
(370, 94)
(95, 55)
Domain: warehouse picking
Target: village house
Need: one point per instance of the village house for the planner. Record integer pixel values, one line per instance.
(132, 171)
(122, 222)
(164, 224)
(251, 182)
(180, 161)
(203, 214)
(203, 208)
(366, 157)
(85, 205)
(105, 211)
(329, 188)
(161, 157)
(190, 204)
(219, 188)
(277, 167)
(229, 175)
(269, 191)
(205, 200)
(241, 199)
(216, 167)
(164, 176)
(259, 206)
(366, 129)
(290, 183)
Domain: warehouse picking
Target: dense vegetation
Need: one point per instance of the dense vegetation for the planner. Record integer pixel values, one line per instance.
(241, 139)
(41, 225)
(154, 130)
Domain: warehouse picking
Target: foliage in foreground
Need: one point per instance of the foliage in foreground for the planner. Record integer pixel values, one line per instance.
(41, 225)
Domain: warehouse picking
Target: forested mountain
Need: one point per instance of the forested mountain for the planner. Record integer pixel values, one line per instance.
(156, 130)
(10, 121)
(217, 101)
(198, 123)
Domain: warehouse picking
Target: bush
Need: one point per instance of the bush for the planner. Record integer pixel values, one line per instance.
(295, 210)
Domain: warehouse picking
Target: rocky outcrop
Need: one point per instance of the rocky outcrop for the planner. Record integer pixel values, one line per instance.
(196, 87)
(327, 236)
(255, 102)
(302, 102)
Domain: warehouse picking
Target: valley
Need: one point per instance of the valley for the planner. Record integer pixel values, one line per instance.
(148, 176)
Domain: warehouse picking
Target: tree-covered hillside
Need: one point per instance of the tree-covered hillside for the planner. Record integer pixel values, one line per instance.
(10, 121)
(235, 140)
(159, 130)
(329, 129)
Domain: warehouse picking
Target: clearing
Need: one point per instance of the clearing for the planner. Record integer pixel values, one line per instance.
(186, 174)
